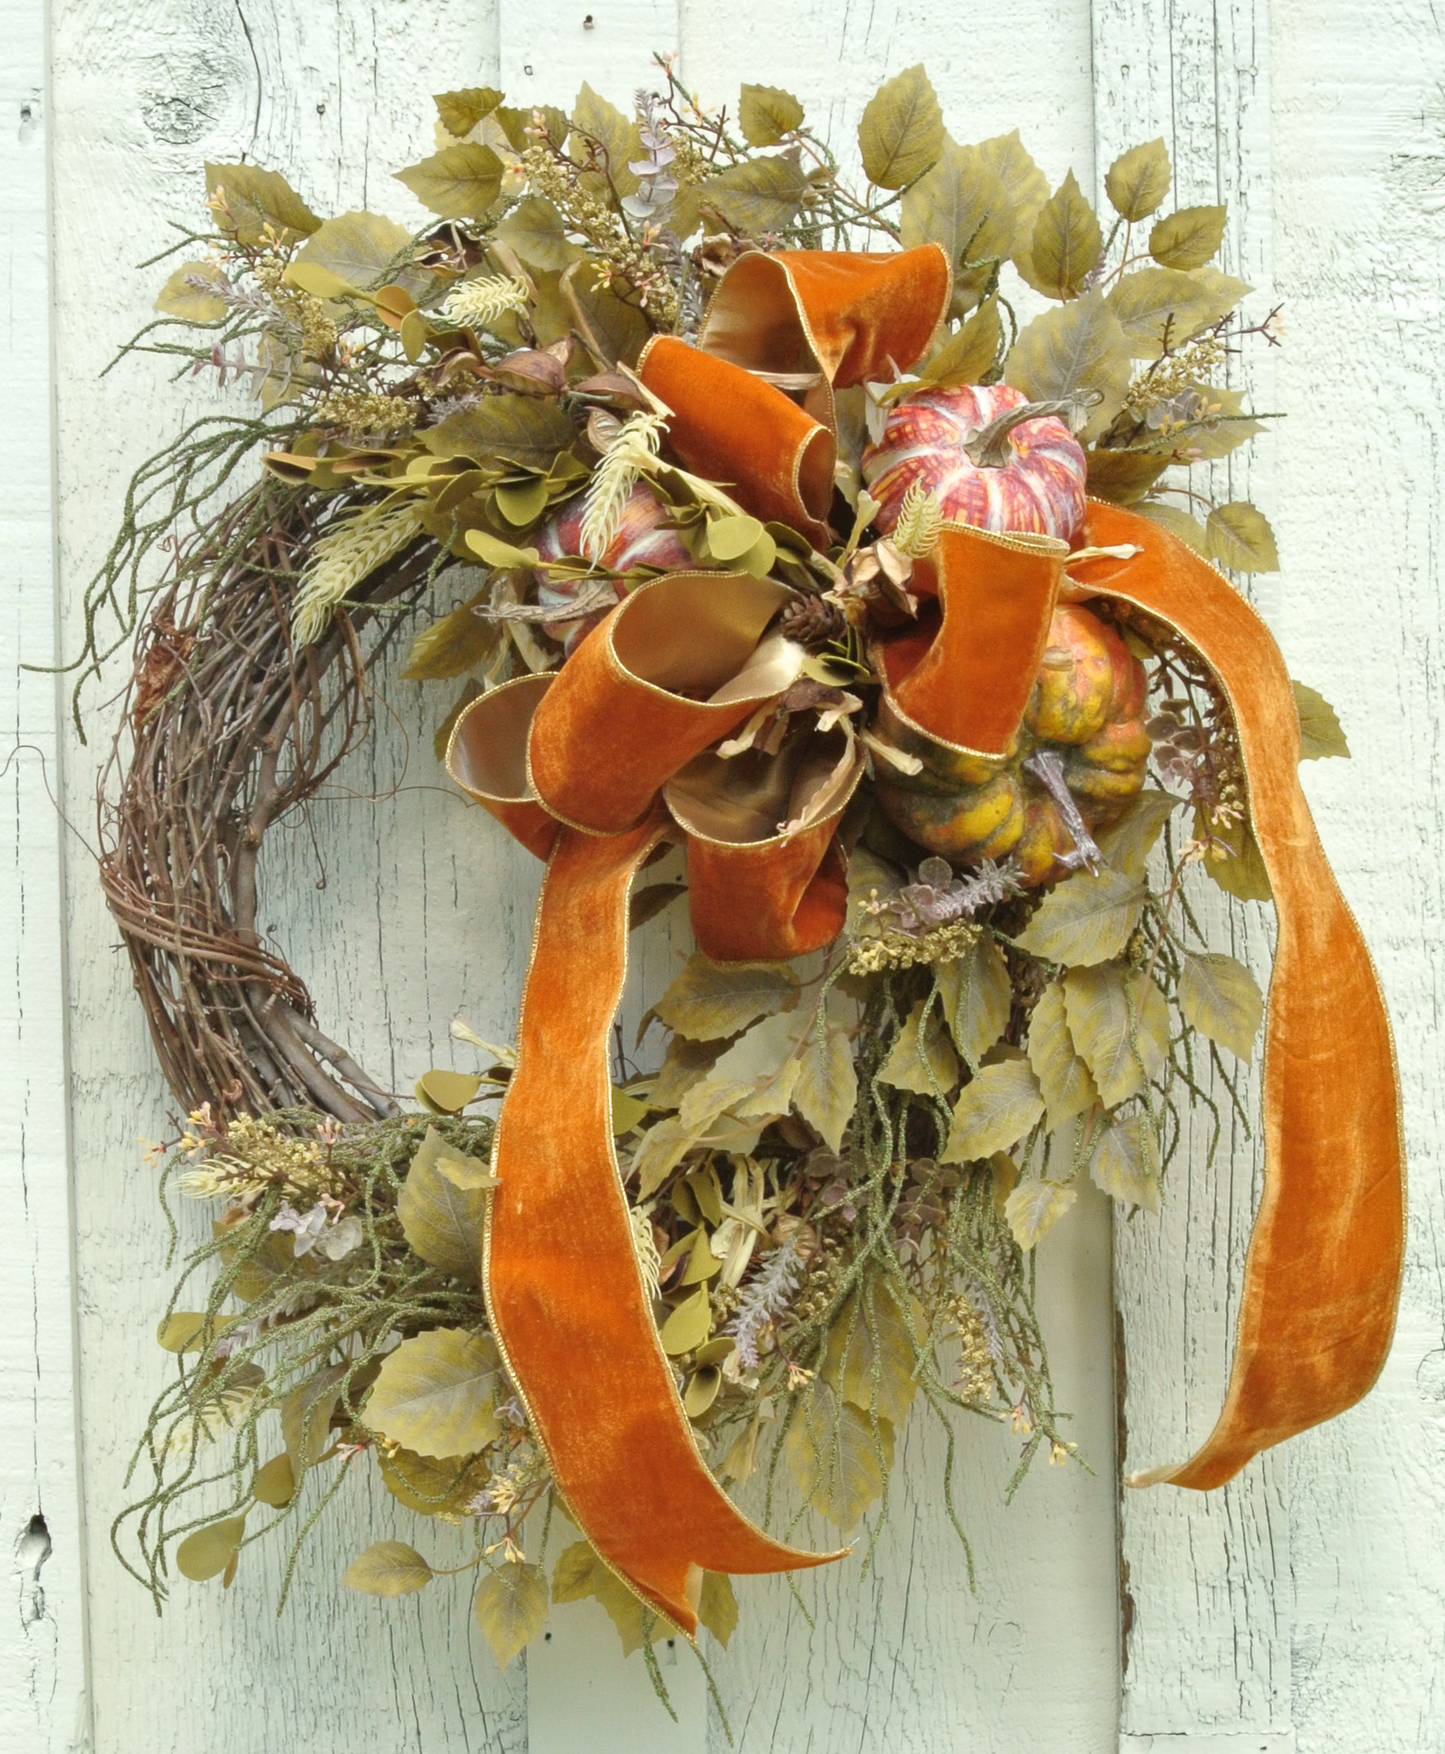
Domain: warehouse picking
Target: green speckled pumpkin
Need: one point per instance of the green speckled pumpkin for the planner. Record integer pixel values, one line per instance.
(1086, 711)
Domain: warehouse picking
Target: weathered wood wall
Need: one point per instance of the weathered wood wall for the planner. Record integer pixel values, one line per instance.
(1297, 1610)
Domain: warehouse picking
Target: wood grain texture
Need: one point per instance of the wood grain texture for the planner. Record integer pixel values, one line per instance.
(42, 1629)
(1206, 1603)
(1359, 196)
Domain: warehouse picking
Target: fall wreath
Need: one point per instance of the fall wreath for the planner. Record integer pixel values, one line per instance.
(746, 521)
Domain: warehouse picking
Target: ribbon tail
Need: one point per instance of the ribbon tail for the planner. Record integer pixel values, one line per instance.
(1322, 1278)
(564, 1290)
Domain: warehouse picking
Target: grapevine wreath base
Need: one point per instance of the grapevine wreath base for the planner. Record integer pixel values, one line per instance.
(751, 522)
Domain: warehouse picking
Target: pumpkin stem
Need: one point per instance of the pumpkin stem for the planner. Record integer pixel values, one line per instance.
(1048, 770)
(989, 448)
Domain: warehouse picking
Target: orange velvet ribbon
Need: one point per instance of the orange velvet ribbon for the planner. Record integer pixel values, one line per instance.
(591, 766)
(1322, 1279)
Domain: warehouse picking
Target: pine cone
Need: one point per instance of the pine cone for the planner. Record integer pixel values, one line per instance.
(812, 621)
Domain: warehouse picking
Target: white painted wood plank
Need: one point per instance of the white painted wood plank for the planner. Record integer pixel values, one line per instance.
(42, 1633)
(1359, 161)
(1205, 1575)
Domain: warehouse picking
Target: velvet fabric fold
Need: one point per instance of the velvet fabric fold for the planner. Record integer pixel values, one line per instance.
(963, 673)
(575, 765)
(1322, 1278)
(564, 1290)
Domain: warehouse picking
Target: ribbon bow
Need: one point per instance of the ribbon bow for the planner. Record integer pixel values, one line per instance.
(592, 766)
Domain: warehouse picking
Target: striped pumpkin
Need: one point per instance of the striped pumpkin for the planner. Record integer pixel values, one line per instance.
(1039, 488)
(641, 541)
(1086, 710)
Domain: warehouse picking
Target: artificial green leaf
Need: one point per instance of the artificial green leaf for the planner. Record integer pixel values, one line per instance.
(1138, 180)
(387, 1568)
(515, 120)
(604, 124)
(497, 553)
(1120, 1024)
(1024, 185)
(717, 1607)
(901, 133)
(614, 330)
(275, 1483)
(459, 182)
(1220, 292)
(579, 1573)
(1221, 999)
(184, 294)
(1320, 735)
(437, 1394)
(446, 1093)
(534, 229)
(684, 1063)
(627, 1112)
(753, 1079)
(994, 1111)
(1067, 243)
(415, 333)
(922, 1057)
(688, 1325)
(460, 111)
(182, 1332)
(872, 1353)
(207, 1552)
(1188, 238)
(1239, 536)
(1033, 1208)
(521, 503)
(426, 1484)
(1128, 843)
(967, 356)
(977, 995)
(519, 429)
(1079, 351)
(511, 1609)
(1241, 872)
(1155, 305)
(1065, 1082)
(358, 248)
(1124, 476)
(574, 1574)
(1126, 1162)
(765, 115)
(826, 1092)
(758, 196)
(663, 1147)
(246, 200)
(836, 1459)
(712, 999)
(440, 1219)
(1220, 426)
(702, 1388)
(652, 899)
(1178, 523)
(730, 537)
(306, 1417)
(961, 204)
(451, 646)
(1085, 919)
